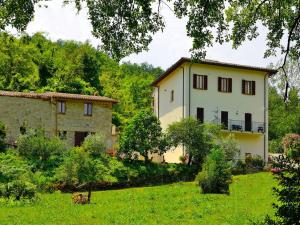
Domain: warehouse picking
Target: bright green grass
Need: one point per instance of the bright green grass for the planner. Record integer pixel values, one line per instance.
(180, 203)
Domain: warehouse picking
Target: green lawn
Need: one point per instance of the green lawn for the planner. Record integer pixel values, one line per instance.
(180, 203)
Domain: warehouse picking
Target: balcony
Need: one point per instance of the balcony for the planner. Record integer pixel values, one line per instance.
(240, 126)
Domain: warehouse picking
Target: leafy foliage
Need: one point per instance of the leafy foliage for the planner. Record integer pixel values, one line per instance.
(230, 146)
(194, 136)
(42, 152)
(288, 192)
(215, 176)
(94, 144)
(15, 178)
(126, 26)
(34, 63)
(143, 135)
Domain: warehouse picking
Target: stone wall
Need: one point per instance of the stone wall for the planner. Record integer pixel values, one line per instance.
(31, 113)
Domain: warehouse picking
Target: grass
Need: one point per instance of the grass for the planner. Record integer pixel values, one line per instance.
(179, 203)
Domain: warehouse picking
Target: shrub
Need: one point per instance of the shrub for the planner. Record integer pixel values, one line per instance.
(2, 137)
(18, 189)
(15, 178)
(238, 167)
(275, 146)
(215, 176)
(42, 152)
(230, 147)
(94, 144)
(257, 162)
(291, 144)
(287, 208)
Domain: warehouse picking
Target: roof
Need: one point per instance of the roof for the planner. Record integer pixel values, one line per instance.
(57, 95)
(211, 62)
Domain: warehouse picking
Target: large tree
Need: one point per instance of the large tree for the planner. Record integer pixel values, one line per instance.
(127, 26)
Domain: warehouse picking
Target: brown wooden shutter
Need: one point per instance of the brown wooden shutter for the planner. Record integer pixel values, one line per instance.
(243, 86)
(194, 81)
(200, 115)
(205, 82)
(229, 84)
(219, 83)
(253, 87)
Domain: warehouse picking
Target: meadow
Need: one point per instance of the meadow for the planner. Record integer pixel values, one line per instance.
(250, 199)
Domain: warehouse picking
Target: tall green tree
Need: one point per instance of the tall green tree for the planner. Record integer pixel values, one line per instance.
(143, 135)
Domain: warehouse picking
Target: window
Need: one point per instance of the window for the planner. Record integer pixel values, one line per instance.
(224, 119)
(200, 82)
(172, 96)
(88, 109)
(200, 115)
(248, 122)
(224, 84)
(61, 107)
(62, 135)
(248, 87)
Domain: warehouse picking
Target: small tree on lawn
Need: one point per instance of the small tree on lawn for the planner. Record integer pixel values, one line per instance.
(79, 168)
(94, 144)
(194, 136)
(215, 176)
(143, 135)
(2, 137)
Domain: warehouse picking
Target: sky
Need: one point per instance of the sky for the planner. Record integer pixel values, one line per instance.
(63, 22)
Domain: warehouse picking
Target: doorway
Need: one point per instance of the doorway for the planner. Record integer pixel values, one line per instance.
(79, 138)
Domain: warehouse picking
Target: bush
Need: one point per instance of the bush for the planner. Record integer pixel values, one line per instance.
(230, 147)
(15, 178)
(18, 189)
(215, 176)
(291, 144)
(275, 146)
(42, 152)
(287, 208)
(94, 144)
(2, 137)
(238, 167)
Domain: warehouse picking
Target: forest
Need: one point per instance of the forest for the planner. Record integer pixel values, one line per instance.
(35, 63)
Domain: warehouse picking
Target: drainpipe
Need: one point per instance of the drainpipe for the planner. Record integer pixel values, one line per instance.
(190, 68)
(265, 114)
(158, 102)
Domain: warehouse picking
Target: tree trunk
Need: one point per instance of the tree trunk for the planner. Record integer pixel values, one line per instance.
(146, 158)
(89, 192)
(190, 159)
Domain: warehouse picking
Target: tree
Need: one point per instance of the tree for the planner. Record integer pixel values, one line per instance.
(94, 144)
(288, 192)
(126, 26)
(81, 169)
(2, 137)
(143, 135)
(215, 176)
(193, 135)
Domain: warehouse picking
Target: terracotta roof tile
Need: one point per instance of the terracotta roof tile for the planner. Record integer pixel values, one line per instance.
(49, 95)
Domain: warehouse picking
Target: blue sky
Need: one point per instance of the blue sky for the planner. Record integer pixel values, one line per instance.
(63, 22)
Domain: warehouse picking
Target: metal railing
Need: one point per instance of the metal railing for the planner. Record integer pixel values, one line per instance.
(241, 126)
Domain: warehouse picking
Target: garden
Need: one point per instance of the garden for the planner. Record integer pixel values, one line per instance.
(44, 181)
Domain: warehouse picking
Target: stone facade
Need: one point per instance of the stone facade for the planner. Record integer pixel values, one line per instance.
(37, 112)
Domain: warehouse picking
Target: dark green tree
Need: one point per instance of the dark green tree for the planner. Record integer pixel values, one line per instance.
(143, 135)
(2, 137)
(193, 135)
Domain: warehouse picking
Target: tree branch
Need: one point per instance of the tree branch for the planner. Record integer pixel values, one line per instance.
(287, 51)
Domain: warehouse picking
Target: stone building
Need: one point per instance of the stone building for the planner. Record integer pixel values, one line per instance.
(70, 116)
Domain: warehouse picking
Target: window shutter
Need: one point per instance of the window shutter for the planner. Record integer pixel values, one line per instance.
(219, 83)
(229, 84)
(194, 81)
(253, 87)
(205, 82)
(243, 86)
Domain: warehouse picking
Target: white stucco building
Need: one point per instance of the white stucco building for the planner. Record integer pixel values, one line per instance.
(216, 92)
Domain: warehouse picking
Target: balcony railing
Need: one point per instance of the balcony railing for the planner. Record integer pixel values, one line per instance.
(241, 126)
